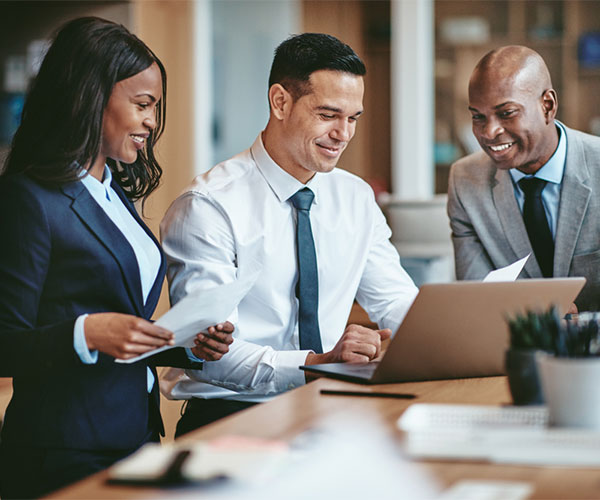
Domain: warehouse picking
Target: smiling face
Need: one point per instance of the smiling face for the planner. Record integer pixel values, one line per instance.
(129, 117)
(513, 116)
(313, 131)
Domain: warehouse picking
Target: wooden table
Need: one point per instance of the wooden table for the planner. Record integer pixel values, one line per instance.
(290, 414)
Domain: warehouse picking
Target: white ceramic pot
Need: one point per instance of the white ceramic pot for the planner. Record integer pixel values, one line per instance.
(571, 390)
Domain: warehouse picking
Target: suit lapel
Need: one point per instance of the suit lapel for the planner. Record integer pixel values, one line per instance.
(574, 198)
(154, 294)
(512, 221)
(110, 237)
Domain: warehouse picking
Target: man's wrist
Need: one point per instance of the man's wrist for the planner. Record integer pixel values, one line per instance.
(315, 359)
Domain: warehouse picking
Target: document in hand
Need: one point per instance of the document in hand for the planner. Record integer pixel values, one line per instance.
(508, 273)
(207, 307)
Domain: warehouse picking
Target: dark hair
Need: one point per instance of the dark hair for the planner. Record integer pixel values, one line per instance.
(61, 125)
(301, 55)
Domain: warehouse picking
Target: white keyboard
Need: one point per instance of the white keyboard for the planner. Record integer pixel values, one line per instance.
(515, 435)
(422, 416)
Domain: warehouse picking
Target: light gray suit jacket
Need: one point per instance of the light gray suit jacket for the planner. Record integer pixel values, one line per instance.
(488, 230)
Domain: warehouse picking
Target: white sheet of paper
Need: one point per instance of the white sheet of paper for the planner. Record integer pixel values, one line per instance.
(508, 273)
(207, 307)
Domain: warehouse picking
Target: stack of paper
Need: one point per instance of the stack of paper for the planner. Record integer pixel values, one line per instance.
(515, 435)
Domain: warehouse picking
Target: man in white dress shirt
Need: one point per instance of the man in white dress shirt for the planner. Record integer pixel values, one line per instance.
(315, 97)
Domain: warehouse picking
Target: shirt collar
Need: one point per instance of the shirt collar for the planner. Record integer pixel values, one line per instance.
(554, 168)
(283, 184)
(100, 189)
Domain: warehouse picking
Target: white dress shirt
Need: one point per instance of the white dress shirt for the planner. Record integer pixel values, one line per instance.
(246, 199)
(146, 253)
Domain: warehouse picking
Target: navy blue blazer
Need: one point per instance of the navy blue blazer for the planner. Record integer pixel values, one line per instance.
(60, 257)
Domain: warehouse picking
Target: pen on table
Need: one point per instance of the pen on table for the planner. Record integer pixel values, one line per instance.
(397, 395)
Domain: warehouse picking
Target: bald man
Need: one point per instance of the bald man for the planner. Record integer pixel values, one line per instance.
(534, 189)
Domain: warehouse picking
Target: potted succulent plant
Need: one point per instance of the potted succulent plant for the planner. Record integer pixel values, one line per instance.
(529, 333)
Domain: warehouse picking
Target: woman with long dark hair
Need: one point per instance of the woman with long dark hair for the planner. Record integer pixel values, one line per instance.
(80, 273)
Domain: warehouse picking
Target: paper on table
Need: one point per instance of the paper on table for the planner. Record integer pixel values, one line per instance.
(250, 460)
(207, 307)
(508, 273)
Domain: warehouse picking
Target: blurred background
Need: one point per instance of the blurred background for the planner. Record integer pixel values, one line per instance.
(419, 55)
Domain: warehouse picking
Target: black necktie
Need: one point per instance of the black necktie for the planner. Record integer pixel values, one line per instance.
(307, 289)
(537, 224)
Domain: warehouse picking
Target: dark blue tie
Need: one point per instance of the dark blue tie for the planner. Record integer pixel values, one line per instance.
(307, 289)
(536, 223)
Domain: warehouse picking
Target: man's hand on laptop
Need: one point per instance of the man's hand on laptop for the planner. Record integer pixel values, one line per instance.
(358, 344)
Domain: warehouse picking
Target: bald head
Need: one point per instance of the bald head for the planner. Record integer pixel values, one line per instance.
(519, 65)
(513, 106)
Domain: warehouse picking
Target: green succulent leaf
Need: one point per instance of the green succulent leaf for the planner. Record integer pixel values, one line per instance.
(547, 331)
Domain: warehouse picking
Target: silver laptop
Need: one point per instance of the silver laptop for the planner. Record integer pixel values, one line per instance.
(456, 330)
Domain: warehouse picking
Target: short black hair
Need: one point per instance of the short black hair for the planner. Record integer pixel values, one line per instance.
(64, 107)
(301, 55)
